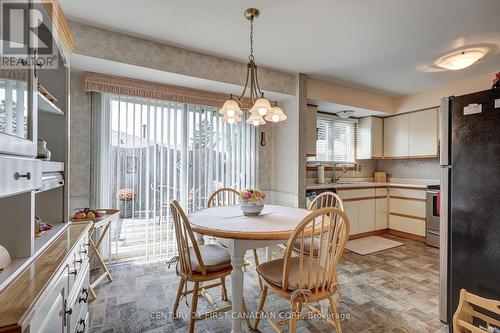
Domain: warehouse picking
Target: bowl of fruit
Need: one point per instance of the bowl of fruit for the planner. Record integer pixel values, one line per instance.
(87, 214)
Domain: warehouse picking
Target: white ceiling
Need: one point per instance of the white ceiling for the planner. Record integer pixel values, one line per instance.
(385, 45)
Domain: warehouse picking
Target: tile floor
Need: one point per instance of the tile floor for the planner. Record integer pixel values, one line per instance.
(395, 290)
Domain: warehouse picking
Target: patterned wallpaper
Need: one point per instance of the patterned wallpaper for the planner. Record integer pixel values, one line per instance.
(80, 139)
(115, 46)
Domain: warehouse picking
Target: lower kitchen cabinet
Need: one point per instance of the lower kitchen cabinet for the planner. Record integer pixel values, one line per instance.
(351, 210)
(359, 205)
(366, 218)
(407, 210)
(380, 213)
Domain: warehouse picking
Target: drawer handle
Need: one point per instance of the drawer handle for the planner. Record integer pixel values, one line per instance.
(82, 322)
(84, 251)
(79, 261)
(82, 299)
(69, 312)
(73, 272)
(27, 175)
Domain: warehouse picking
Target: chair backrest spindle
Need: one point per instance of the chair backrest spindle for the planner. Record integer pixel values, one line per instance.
(223, 197)
(331, 226)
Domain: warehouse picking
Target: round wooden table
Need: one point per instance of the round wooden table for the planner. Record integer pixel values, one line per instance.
(241, 233)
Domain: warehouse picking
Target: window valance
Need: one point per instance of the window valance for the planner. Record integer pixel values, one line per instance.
(145, 89)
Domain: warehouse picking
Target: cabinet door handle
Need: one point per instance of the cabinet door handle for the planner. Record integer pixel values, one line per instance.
(18, 175)
(82, 299)
(82, 322)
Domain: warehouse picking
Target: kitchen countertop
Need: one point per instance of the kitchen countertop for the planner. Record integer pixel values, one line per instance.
(20, 296)
(367, 182)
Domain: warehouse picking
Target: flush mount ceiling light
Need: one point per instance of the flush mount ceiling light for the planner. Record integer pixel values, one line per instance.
(462, 59)
(345, 114)
(254, 102)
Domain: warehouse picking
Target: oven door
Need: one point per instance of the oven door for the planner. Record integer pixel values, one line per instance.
(432, 207)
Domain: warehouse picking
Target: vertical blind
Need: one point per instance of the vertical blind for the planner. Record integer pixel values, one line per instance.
(13, 110)
(336, 141)
(159, 151)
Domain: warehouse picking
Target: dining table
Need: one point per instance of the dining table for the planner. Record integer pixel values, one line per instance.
(240, 233)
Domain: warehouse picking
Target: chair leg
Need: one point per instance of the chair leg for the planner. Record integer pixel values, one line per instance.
(223, 290)
(334, 313)
(194, 305)
(259, 312)
(178, 297)
(245, 315)
(255, 257)
(293, 318)
(256, 261)
(337, 286)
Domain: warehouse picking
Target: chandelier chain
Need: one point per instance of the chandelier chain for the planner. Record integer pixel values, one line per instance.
(251, 57)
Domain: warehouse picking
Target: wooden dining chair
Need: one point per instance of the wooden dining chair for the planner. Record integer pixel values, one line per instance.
(198, 264)
(473, 309)
(305, 279)
(226, 197)
(325, 199)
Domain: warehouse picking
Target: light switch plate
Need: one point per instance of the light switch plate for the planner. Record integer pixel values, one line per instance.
(497, 103)
(473, 109)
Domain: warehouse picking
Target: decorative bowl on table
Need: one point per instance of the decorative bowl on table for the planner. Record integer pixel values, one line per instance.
(252, 202)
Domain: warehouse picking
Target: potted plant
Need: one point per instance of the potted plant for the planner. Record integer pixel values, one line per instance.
(252, 202)
(126, 197)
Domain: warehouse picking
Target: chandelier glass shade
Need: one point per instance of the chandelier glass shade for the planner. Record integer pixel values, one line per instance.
(252, 98)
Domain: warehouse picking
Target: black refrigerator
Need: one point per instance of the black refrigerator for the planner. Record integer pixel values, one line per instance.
(470, 198)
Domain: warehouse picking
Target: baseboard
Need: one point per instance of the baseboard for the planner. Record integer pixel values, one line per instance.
(406, 235)
(368, 233)
(398, 233)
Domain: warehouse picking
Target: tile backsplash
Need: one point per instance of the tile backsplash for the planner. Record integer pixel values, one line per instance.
(405, 168)
(412, 168)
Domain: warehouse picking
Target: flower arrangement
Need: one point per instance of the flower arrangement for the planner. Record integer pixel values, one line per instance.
(126, 194)
(252, 195)
(252, 201)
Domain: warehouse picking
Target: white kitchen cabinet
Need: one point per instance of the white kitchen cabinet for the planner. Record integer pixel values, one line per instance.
(359, 205)
(366, 217)
(423, 133)
(396, 136)
(411, 135)
(380, 213)
(370, 138)
(407, 210)
(352, 211)
(381, 208)
(311, 130)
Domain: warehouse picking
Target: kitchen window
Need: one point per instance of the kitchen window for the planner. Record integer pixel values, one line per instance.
(336, 139)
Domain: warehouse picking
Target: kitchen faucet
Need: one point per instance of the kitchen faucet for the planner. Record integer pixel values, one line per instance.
(335, 179)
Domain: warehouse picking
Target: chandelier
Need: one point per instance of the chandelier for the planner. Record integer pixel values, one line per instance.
(254, 102)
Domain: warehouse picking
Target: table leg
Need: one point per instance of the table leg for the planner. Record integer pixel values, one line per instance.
(237, 260)
(269, 253)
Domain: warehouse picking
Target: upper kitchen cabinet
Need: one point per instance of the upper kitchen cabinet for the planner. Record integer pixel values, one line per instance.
(423, 133)
(396, 136)
(370, 138)
(311, 130)
(411, 135)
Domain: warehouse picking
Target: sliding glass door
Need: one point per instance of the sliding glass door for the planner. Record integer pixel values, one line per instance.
(159, 151)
